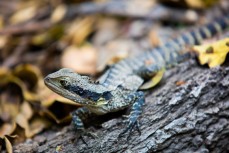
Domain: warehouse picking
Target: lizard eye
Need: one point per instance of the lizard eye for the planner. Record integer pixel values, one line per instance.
(63, 82)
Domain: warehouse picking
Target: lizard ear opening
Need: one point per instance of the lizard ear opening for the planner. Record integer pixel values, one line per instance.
(88, 79)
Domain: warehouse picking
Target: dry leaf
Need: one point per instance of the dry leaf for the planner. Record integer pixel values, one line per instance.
(37, 124)
(58, 13)
(201, 3)
(11, 98)
(26, 110)
(7, 141)
(9, 147)
(23, 123)
(106, 30)
(29, 74)
(60, 112)
(7, 129)
(26, 93)
(23, 15)
(12, 104)
(114, 51)
(79, 30)
(213, 54)
(53, 116)
(82, 60)
(5, 135)
(3, 40)
(32, 127)
(154, 81)
(54, 33)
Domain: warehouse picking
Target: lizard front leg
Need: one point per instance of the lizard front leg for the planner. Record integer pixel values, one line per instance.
(136, 110)
(78, 117)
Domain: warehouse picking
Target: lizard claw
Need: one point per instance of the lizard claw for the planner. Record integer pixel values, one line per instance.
(86, 133)
(131, 125)
(89, 134)
(132, 121)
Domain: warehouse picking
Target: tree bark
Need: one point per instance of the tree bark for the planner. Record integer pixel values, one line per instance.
(187, 112)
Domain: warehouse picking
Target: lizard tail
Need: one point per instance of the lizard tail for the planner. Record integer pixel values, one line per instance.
(173, 50)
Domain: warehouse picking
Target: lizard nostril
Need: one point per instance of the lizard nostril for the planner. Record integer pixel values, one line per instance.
(47, 79)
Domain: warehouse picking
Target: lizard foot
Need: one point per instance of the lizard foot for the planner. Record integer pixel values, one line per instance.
(132, 121)
(84, 132)
(130, 127)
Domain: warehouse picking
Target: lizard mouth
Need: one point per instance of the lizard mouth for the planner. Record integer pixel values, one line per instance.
(65, 93)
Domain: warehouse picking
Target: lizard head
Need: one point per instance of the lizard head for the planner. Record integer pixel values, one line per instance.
(75, 87)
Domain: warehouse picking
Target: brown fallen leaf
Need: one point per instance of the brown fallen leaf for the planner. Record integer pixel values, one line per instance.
(32, 127)
(59, 120)
(82, 60)
(8, 144)
(23, 15)
(53, 33)
(115, 51)
(25, 11)
(5, 133)
(26, 110)
(10, 101)
(78, 31)
(201, 3)
(15, 111)
(7, 129)
(58, 13)
(29, 74)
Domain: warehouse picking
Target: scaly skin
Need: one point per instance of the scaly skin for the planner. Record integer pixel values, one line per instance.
(118, 87)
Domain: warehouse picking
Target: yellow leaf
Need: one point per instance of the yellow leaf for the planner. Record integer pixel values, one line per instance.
(213, 54)
(201, 3)
(58, 13)
(154, 81)
(23, 15)
(9, 147)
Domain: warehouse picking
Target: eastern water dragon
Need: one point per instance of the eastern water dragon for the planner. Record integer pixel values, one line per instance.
(119, 87)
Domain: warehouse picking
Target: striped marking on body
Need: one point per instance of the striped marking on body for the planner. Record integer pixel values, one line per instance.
(198, 36)
(217, 27)
(207, 32)
(190, 38)
(157, 55)
(181, 41)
